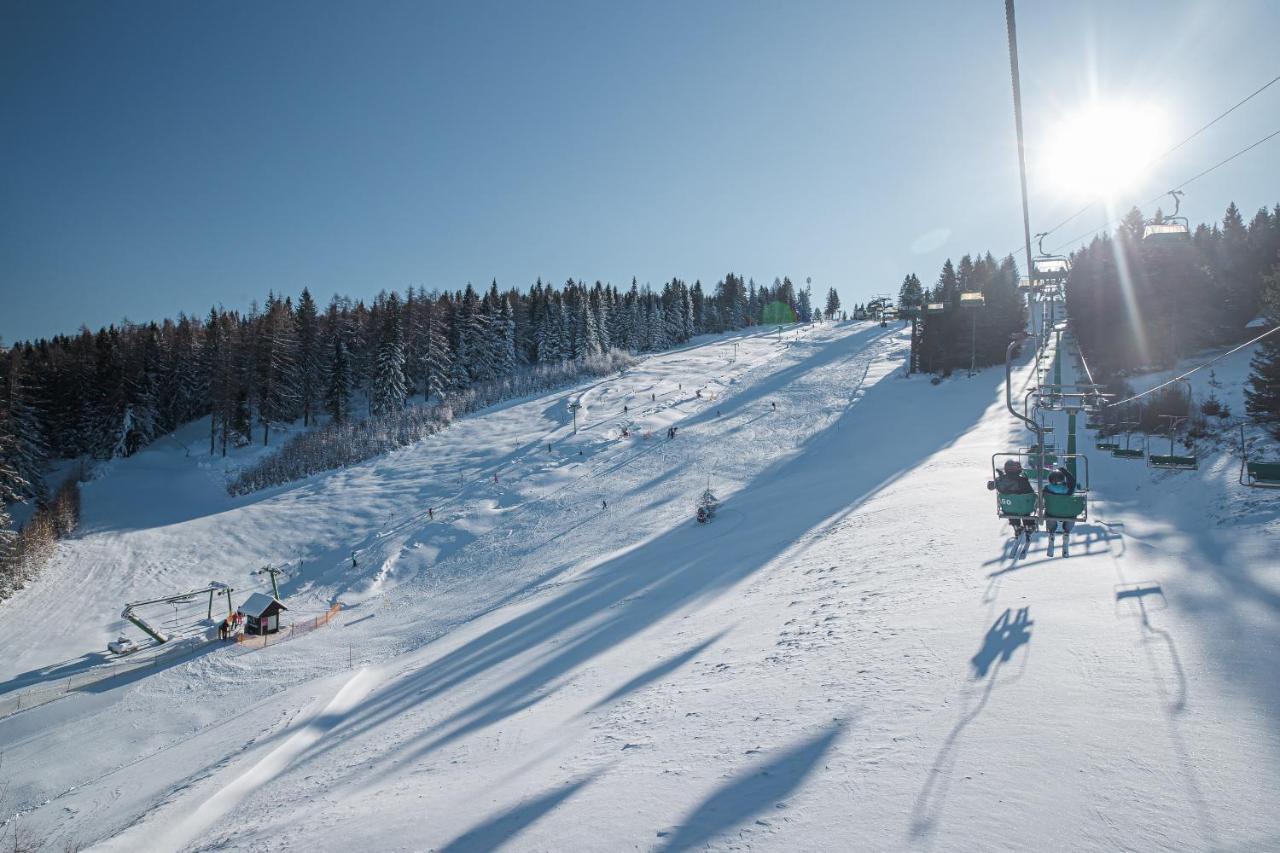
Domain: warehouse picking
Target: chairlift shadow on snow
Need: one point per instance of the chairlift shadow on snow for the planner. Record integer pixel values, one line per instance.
(1084, 536)
(1006, 635)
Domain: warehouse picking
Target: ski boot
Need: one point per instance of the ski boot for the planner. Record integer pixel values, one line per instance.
(1051, 544)
(1065, 551)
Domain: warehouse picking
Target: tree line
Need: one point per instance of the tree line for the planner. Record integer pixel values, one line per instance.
(951, 333)
(1137, 305)
(112, 392)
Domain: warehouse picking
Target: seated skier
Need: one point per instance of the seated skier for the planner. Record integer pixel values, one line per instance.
(1061, 482)
(1012, 480)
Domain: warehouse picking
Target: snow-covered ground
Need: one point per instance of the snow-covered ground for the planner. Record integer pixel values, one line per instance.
(846, 658)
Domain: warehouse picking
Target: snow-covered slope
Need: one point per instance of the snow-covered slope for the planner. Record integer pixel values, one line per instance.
(845, 658)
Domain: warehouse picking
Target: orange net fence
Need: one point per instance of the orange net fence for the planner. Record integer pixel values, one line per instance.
(258, 641)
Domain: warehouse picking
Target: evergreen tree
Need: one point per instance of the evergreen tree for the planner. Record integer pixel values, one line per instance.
(24, 449)
(1262, 396)
(833, 303)
(307, 335)
(389, 392)
(337, 398)
(276, 366)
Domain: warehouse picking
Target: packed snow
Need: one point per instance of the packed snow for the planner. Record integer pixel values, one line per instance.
(543, 650)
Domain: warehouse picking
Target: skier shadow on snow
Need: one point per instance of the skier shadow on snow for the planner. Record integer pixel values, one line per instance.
(539, 648)
(1005, 636)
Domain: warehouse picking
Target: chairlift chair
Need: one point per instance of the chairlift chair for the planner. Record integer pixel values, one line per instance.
(1128, 451)
(1073, 507)
(1171, 460)
(1170, 229)
(935, 308)
(972, 299)
(1257, 475)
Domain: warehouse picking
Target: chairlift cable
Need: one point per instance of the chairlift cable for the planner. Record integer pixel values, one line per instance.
(1185, 183)
(1198, 367)
(1199, 131)
(1011, 26)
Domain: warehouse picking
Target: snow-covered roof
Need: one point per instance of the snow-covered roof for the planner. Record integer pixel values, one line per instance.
(257, 604)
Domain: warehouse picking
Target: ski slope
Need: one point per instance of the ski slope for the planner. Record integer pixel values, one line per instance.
(846, 658)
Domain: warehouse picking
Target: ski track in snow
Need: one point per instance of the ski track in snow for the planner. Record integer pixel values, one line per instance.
(845, 658)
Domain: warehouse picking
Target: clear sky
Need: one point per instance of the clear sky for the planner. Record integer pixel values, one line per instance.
(160, 157)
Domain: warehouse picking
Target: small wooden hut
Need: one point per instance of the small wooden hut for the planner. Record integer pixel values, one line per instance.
(261, 614)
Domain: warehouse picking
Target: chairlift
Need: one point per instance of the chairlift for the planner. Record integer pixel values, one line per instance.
(1128, 451)
(1048, 270)
(972, 299)
(1171, 460)
(1169, 229)
(1073, 507)
(1257, 475)
(935, 308)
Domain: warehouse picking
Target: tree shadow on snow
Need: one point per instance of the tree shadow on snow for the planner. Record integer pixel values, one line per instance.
(755, 790)
(679, 568)
(500, 829)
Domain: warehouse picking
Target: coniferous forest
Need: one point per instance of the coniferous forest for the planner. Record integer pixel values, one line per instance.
(1136, 306)
(112, 392)
(954, 335)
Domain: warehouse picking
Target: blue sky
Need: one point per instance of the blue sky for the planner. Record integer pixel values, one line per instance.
(161, 157)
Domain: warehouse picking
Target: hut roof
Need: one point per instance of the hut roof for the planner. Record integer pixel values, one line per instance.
(259, 603)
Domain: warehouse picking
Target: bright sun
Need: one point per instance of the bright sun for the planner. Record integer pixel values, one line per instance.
(1103, 149)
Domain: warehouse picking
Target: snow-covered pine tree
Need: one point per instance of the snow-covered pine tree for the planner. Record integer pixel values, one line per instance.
(438, 361)
(672, 311)
(600, 308)
(804, 305)
(686, 313)
(833, 303)
(388, 392)
(276, 366)
(506, 329)
(549, 334)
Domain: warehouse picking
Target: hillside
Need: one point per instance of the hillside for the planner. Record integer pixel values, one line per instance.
(847, 657)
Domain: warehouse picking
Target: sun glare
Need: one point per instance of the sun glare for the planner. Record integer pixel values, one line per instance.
(1103, 149)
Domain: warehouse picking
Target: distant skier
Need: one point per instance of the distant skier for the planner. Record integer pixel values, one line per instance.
(431, 513)
(1061, 482)
(653, 397)
(604, 505)
(495, 478)
(1013, 481)
(717, 413)
(699, 393)
(625, 410)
